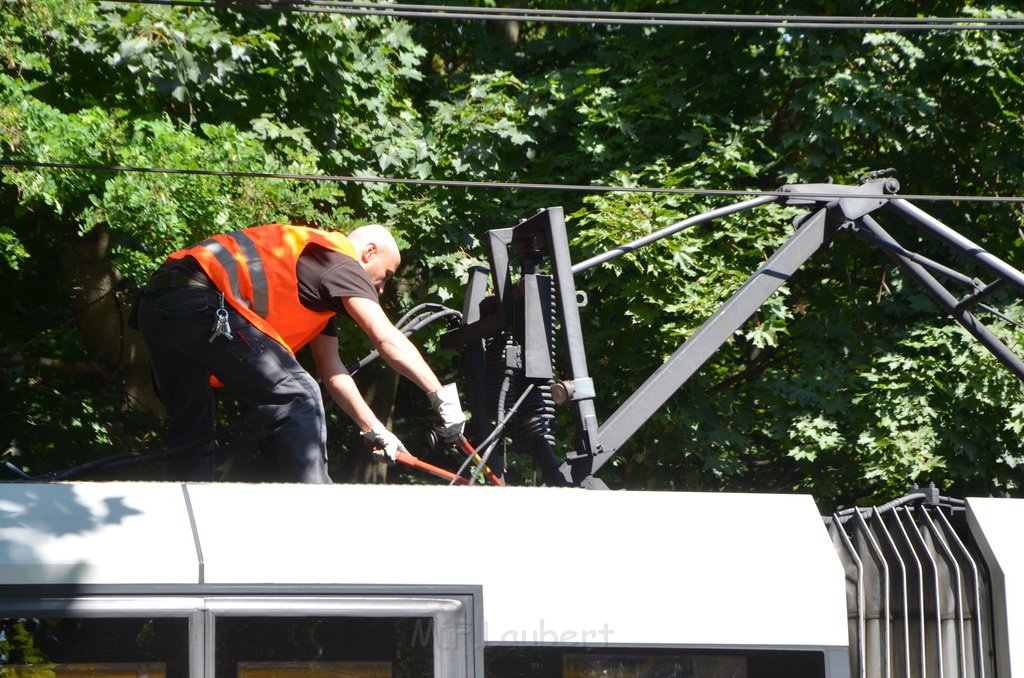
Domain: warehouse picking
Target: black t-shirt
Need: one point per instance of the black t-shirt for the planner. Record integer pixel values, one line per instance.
(326, 277)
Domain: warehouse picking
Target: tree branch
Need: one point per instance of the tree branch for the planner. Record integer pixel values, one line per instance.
(67, 366)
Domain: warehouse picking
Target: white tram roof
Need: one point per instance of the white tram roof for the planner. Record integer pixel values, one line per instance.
(563, 566)
(996, 525)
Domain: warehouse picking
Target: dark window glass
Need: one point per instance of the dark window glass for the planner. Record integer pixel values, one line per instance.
(548, 662)
(123, 647)
(281, 647)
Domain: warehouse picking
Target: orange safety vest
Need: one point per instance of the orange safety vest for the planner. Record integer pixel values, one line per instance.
(255, 269)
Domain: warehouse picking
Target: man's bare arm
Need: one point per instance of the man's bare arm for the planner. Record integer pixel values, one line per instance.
(396, 349)
(339, 383)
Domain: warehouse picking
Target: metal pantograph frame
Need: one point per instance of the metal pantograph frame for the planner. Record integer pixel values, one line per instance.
(518, 311)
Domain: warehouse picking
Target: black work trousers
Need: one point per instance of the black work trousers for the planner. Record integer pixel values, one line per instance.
(176, 323)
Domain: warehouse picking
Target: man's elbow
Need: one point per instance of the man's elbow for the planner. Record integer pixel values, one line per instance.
(387, 347)
(391, 345)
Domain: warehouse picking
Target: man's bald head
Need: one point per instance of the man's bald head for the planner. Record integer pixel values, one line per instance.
(377, 252)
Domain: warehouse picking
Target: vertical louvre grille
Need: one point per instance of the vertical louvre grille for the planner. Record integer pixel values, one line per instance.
(917, 594)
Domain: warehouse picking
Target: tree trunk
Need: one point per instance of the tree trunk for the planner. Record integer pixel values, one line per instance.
(102, 306)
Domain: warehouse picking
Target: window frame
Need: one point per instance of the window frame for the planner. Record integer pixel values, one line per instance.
(456, 611)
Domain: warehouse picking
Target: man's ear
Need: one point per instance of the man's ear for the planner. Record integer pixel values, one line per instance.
(369, 252)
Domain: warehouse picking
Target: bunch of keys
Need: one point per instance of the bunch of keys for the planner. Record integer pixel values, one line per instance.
(221, 326)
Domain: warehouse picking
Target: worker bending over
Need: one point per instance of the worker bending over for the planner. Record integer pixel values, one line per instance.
(238, 306)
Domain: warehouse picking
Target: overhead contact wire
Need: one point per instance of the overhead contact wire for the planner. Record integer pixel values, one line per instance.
(650, 19)
(507, 185)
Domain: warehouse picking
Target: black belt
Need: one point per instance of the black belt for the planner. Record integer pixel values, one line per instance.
(175, 278)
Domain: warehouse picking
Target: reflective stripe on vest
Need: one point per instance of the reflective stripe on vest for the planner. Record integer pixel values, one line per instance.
(254, 263)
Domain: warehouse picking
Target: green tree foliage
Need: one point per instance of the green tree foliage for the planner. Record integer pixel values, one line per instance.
(848, 384)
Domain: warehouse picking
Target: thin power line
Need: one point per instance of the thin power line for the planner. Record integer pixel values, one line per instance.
(667, 19)
(451, 183)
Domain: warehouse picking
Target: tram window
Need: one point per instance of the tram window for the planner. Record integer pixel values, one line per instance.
(352, 647)
(552, 662)
(100, 647)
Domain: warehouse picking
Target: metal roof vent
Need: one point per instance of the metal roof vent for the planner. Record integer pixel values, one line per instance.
(917, 589)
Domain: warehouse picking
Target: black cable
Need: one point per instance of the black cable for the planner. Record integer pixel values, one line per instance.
(929, 496)
(509, 185)
(414, 320)
(588, 17)
(420, 310)
(490, 443)
(132, 458)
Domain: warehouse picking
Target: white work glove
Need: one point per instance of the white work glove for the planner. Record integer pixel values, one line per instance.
(445, 402)
(385, 444)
